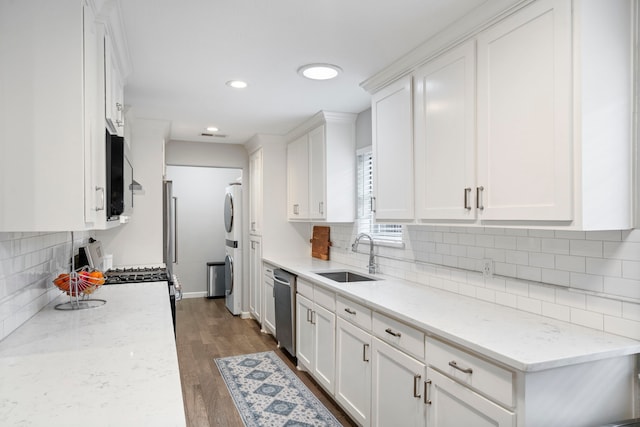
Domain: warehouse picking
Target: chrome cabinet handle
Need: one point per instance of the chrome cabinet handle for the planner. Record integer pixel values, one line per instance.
(453, 364)
(391, 332)
(309, 315)
(365, 347)
(348, 310)
(101, 190)
(118, 106)
(296, 209)
(253, 226)
(467, 191)
(479, 204)
(313, 317)
(427, 384)
(373, 205)
(416, 385)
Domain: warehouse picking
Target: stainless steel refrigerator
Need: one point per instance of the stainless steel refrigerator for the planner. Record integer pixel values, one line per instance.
(169, 229)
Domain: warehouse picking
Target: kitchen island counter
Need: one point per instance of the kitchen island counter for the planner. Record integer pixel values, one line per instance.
(519, 340)
(115, 365)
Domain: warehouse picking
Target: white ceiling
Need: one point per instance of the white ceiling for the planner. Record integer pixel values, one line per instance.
(183, 52)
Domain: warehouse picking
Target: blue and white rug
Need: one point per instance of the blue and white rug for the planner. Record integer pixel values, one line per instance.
(267, 393)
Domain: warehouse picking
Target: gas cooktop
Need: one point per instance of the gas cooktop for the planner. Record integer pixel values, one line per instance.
(136, 275)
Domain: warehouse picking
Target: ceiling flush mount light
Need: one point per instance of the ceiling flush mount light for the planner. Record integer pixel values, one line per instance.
(212, 129)
(237, 84)
(319, 71)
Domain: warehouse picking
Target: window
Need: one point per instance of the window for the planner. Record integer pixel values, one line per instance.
(366, 220)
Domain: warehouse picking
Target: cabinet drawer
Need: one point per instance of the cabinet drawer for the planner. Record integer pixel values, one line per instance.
(304, 288)
(403, 336)
(325, 298)
(267, 270)
(494, 381)
(354, 312)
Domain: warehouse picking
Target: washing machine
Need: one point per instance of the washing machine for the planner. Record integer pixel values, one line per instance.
(233, 247)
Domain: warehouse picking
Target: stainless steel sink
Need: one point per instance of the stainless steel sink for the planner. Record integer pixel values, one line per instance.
(345, 276)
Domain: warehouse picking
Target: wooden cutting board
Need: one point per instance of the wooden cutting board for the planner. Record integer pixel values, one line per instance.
(320, 242)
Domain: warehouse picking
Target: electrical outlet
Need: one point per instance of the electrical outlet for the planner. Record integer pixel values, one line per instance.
(487, 268)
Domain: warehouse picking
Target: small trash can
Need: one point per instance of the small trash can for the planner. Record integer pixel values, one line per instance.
(215, 279)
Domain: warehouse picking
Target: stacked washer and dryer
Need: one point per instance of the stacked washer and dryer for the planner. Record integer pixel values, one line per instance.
(233, 247)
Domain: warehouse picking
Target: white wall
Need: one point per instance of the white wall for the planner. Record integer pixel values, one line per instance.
(200, 193)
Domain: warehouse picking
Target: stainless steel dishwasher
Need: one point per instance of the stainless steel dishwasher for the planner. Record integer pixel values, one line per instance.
(285, 305)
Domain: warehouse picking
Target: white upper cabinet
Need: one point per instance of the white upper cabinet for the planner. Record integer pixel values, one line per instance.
(524, 115)
(321, 169)
(48, 116)
(527, 123)
(445, 136)
(392, 139)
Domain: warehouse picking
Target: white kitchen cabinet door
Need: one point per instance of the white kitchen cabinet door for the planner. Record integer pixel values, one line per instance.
(298, 179)
(525, 164)
(268, 298)
(305, 332)
(48, 76)
(454, 405)
(114, 91)
(317, 173)
(324, 366)
(397, 388)
(255, 193)
(255, 277)
(392, 139)
(353, 371)
(445, 136)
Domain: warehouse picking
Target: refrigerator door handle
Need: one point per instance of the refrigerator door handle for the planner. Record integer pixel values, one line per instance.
(175, 229)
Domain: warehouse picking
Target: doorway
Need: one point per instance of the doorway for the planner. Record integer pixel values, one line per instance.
(200, 235)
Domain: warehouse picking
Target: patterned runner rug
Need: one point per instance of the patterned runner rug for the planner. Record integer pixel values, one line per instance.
(267, 393)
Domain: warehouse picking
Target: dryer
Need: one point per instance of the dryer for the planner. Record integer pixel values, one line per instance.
(233, 247)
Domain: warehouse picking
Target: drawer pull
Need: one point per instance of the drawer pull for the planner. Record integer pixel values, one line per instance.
(416, 385)
(350, 311)
(391, 332)
(453, 364)
(364, 353)
(427, 384)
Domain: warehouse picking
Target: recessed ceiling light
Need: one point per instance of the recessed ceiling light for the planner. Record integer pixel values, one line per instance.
(212, 129)
(237, 84)
(319, 71)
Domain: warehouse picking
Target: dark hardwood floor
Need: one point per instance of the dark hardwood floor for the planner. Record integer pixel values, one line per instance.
(206, 330)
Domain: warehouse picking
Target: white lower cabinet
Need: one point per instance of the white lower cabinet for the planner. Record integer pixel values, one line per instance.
(269, 302)
(397, 389)
(316, 337)
(451, 404)
(353, 371)
(255, 277)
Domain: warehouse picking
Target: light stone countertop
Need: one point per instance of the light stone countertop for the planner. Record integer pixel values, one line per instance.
(114, 365)
(523, 341)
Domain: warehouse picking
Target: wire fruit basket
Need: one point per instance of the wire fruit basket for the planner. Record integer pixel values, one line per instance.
(79, 284)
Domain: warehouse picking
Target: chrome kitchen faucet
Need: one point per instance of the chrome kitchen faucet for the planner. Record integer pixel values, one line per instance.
(354, 248)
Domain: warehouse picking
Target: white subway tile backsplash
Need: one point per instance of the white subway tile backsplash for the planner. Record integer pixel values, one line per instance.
(604, 267)
(571, 263)
(587, 282)
(556, 311)
(622, 250)
(604, 305)
(585, 248)
(622, 287)
(625, 327)
(529, 304)
(555, 246)
(588, 278)
(631, 269)
(586, 318)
